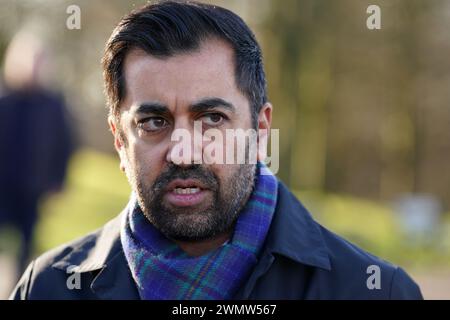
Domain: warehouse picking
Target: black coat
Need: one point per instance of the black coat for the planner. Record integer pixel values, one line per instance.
(36, 141)
(300, 260)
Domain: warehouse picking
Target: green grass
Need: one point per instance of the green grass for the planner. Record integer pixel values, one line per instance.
(96, 191)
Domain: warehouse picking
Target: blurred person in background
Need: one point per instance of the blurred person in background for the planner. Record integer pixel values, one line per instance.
(34, 137)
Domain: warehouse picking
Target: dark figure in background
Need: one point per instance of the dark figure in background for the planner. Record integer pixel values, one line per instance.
(35, 141)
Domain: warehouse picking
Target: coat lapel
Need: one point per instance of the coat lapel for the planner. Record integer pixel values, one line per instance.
(293, 234)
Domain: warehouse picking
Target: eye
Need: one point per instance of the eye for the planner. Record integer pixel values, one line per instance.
(213, 119)
(153, 124)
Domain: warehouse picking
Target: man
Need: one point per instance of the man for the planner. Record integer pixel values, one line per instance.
(194, 230)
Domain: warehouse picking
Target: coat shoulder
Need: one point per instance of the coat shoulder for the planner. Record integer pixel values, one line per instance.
(47, 276)
(80, 246)
(368, 275)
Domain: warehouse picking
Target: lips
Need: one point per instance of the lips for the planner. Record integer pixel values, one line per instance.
(185, 184)
(186, 192)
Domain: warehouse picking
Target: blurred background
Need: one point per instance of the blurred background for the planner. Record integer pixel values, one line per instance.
(364, 119)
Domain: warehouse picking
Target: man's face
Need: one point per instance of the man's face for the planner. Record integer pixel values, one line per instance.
(185, 201)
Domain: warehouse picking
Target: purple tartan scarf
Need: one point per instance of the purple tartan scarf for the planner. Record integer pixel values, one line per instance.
(163, 271)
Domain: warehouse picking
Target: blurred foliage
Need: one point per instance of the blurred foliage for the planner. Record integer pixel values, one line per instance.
(97, 191)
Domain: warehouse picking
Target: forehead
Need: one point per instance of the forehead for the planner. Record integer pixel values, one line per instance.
(183, 78)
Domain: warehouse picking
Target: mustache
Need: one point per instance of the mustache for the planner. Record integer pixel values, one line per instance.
(194, 171)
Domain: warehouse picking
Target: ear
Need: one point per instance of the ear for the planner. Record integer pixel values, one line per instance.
(118, 143)
(264, 123)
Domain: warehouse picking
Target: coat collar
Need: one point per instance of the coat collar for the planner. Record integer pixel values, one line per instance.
(97, 253)
(104, 258)
(293, 233)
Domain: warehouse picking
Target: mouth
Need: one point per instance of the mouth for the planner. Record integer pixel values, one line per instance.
(186, 193)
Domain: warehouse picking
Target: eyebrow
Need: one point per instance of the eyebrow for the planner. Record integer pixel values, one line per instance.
(211, 103)
(199, 106)
(152, 108)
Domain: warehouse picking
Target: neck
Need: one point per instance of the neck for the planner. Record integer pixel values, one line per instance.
(201, 247)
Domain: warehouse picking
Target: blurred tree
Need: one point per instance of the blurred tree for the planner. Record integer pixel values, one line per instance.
(361, 111)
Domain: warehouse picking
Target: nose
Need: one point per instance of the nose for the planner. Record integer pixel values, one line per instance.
(186, 144)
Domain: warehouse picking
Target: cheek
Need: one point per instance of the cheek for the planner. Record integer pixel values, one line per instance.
(146, 161)
(225, 173)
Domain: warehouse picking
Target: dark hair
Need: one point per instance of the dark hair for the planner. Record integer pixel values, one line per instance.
(166, 28)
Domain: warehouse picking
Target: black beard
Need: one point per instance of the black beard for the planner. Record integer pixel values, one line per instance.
(229, 198)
